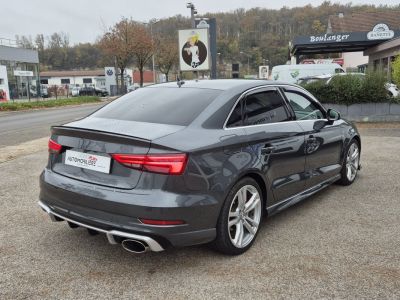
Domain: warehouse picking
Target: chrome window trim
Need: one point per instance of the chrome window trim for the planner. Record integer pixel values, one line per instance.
(257, 88)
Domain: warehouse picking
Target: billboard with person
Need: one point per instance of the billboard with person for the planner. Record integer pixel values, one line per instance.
(194, 50)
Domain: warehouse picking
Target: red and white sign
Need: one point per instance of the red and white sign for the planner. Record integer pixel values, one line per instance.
(88, 161)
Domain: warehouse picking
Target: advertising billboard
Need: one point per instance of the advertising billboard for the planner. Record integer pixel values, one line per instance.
(263, 72)
(194, 50)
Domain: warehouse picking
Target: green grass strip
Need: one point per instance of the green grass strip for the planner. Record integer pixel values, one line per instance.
(11, 106)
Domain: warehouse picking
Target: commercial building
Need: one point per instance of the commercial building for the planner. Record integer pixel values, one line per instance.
(361, 40)
(19, 71)
(381, 56)
(94, 78)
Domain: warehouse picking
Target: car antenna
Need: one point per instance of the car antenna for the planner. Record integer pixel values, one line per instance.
(179, 82)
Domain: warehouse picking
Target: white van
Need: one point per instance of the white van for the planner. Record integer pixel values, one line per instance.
(291, 73)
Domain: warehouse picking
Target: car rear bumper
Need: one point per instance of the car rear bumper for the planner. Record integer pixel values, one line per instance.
(111, 234)
(116, 214)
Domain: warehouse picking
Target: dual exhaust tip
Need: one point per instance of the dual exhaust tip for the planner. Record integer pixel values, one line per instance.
(134, 246)
(130, 245)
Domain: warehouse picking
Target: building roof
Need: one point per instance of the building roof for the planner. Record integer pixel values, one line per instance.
(385, 46)
(147, 76)
(79, 73)
(19, 54)
(364, 21)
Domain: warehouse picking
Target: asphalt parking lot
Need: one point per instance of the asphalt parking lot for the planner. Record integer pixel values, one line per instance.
(342, 243)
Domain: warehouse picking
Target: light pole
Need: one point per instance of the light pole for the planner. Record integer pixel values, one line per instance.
(151, 23)
(193, 12)
(248, 61)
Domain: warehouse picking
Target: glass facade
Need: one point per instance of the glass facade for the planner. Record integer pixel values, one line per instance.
(22, 87)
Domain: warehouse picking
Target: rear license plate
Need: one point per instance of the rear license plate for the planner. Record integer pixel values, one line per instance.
(88, 161)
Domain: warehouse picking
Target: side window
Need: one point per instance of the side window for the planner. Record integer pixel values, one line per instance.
(235, 119)
(303, 108)
(265, 107)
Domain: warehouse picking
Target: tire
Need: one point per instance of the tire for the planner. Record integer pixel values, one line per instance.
(351, 163)
(237, 228)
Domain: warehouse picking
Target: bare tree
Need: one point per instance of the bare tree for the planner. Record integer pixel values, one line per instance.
(119, 42)
(143, 48)
(167, 55)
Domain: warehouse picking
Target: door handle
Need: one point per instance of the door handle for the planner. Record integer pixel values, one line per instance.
(267, 150)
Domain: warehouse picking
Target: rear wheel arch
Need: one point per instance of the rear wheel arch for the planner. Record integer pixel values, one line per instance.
(261, 183)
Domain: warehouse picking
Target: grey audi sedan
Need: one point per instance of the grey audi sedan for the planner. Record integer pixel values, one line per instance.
(187, 163)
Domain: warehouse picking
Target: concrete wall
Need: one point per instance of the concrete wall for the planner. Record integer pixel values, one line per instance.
(368, 112)
(354, 59)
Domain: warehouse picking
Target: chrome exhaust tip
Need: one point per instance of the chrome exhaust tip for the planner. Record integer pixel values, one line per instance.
(134, 246)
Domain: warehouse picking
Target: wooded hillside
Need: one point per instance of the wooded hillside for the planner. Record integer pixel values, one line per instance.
(261, 33)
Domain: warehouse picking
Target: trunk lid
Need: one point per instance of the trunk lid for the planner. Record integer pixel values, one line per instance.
(100, 138)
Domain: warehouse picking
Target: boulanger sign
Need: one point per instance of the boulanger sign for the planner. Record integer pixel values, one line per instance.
(194, 51)
(380, 31)
(329, 38)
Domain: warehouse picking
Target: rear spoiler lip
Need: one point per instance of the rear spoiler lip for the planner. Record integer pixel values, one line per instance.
(98, 134)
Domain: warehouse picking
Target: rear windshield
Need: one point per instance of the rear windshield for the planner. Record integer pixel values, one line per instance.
(173, 106)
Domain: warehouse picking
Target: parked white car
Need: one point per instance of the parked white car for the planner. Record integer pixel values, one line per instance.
(392, 89)
(75, 91)
(291, 73)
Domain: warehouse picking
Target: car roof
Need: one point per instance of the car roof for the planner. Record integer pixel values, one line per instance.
(219, 84)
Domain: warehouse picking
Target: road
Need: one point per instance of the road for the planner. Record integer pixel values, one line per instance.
(18, 127)
(341, 243)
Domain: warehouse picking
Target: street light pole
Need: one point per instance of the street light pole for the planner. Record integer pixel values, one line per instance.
(151, 23)
(193, 12)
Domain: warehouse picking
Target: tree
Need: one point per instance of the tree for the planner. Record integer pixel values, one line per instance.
(24, 41)
(142, 49)
(167, 55)
(119, 42)
(318, 27)
(396, 70)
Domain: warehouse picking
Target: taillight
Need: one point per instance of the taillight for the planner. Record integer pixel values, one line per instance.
(54, 147)
(161, 222)
(172, 164)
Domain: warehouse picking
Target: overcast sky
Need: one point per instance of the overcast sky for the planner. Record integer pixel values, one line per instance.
(85, 20)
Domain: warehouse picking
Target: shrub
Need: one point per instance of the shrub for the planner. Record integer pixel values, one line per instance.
(350, 89)
(396, 70)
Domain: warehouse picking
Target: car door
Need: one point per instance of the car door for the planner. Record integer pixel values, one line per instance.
(277, 141)
(323, 139)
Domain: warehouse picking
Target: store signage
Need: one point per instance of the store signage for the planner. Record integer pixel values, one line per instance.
(111, 79)
(380, 32)
(329, 38)
(263, 72)
(23, 73)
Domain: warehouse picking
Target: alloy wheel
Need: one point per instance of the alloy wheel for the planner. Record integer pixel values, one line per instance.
(244, 216)
(352, 161)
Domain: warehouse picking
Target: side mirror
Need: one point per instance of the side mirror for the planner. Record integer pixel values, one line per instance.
(319, 124)
(332, 115)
